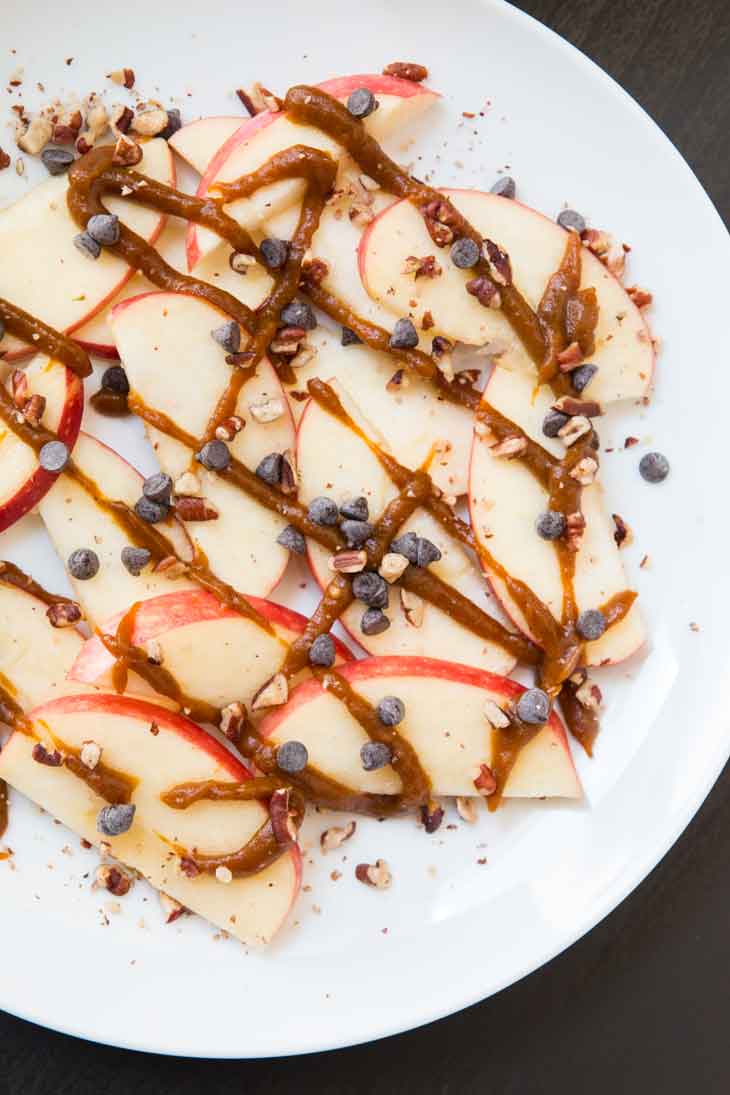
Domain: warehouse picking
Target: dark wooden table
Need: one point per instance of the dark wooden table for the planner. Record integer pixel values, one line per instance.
(642, 1003)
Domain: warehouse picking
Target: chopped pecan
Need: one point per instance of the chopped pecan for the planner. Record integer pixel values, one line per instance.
(509, 447)
(413, 606)
(589, 695)
(406, 70)
(495, 716)
(171, 567)
(374, 874)
(466, 809)
(148, 123)
(568, 404)
(113, 879)
(334, 837)
(486, 292)
(41, 756)
(398, 381)
(440, 233)
(573, 429)
(19, 383)
(629, 442)
(36, 136)
(584, 471)
(642, 298)
(499, 263)
(127, 152)
(431, 816)
(34, 409)
(258, 98)
(575, 526)
(272, 694)
(5, 160)
(188, 483)
(314, 271)
(348, 562)
(63, 614)
(189, 867)
(570, 358)
(121, 119)
(427, 321)
(426, 267)
(228, 429)
(233, 719)
(622, 533)
(90, 754)
(392, 566)
(122, 76)
(486, 781)
(171, 908)
(190, 508)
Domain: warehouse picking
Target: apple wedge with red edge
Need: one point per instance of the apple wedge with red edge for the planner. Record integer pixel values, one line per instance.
(624, 352)
(259, 138)
(74, 519)
(174, 365)
(185, 625)
(23, 482)
(505, 501)
(158, 749)
(444, 721)
(333, 461)
(55, 281)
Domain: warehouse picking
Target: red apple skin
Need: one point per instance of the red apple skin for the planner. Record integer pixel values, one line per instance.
(399, 666)
(40, 482)
(180, 609)
(339, 87)
(147, 713)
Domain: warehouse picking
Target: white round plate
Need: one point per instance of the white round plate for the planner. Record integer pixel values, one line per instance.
(471, 910)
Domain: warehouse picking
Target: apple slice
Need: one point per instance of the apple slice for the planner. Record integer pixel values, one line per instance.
(505, 501)
(624, 352)
(411, 420)
(49, 277)
(22, 480)
(334, 461)
(175, 366)
(74, 519)
(252, 909)
(258, 139)
(188, 623)
(197, 142)
(444, 722)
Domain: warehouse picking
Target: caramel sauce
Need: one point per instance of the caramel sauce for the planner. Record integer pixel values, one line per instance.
(113, 786)
(40, 336)
(110, 404)
(12, 575)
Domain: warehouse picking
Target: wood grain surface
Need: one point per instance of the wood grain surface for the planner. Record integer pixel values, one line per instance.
(641, 1004)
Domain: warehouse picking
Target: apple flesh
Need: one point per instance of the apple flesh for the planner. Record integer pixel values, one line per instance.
(334, 461)
(23, 482)
(505, 501)
(444, 722)
(198, 142)
(74, 519)
(190, 622)
(624, 351)
(48, 276)
(174, 366)
(252, 909)
(258, 139)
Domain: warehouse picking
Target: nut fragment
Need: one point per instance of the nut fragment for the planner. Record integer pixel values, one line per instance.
(575, 526)
(258, 98)
(113, 879)
(486, 781)
(374, 874)
(348, 562)
(189, 508)
(589, 695)
(240, 262)
(19, 383)
(171, 908)
(413, 606)
(228, 429)
(584, 471)
(267, 409)
(120, 120)
(499, 263)
(486, 292)
(127, 152)
(568, 404)
(148, 123)
(63, 614)
(406, 70)
(122, 76)
(431, 815)
(392, 566)
(36, 136)
(90, 754)
(34, 410)
(467, 809)
(642, 298)
(272, 694)
(188, 483)
(622, 533)
(570, 358)
(41, 756)
(494, 715)
(398, 381)
(233, 720)
(224, 875)
(573, 429)
(333, 838)
(153, 650)
(171, 567)
(509, 447)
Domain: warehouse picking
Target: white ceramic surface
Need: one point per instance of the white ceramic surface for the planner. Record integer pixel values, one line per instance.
(457, 929)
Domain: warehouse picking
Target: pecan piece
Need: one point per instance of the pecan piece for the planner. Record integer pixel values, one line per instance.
(272, 694)
(127, 152)
(189, 508)
(568, 404)
(233, 720)
(509, 447)
(573, 429)
(113, 879)
(33, 410)
(570, 358)
(171, 908)
(485, 291)
(41, 756)
(122, 76)
(348, 562)
(374, 874)
(622, 533)
(486, 781)
(332, 838)
(413, 605)
(63, 615)
(431, 816)
(575, 526)
(499, 263)
(406, 70)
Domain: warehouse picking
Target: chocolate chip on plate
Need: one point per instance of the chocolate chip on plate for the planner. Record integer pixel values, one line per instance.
(274, 253)
(505, 187)
(53, 456)
(464, 253)
(533, 706)
(404, 336)
(361, 102)
(158, 488)
(135, 559)
(550, 525)
(391, 710)
(149, 511)
(214, 455)
(292, 539)
(348, 337)
(228, 335)
(298, 313)
(371, 589)
(406, 545)
(87, 245)
(270, 468)
(104, 228)
(553, 422)
(115, 820)
(83, 564)
(654, 467)
(323, 511)
(426, 552)
(292, 756)
(322, 651)
(375, 755)
(374, 622)
(581, 377)
(591, 624)
(114, 379)
(569, 219)
(57, 160)
(356, 509)
(356, 532)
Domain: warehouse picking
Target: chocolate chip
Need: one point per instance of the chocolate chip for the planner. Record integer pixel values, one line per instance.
(104, 228)
(57, 160)
(214, 455)
(550, 525)
(348, 337)
(228, 335)
(361, 102)
(83, 564)
(292, 539)
(374, 622)
(53, 456)
(464, 253)
(375, 755)
(505, 187)
(270, 468)
(426, 552)
(114, 379)
(115, 820)
(292, 756)
(322, 651)
(391, 710)
(323, 511)
(151, 512)
(174, 122)
(569, 219)
(406, 545)
(404, 336)
(274, 253)
(533, 706)
(581, 377)
(371, 589)
(135, 559)
(356, 532)
(591, 624)
(298, 313)
(158, 488)
(654, 467)
(356, 509)
(553, 422)
(87, 245)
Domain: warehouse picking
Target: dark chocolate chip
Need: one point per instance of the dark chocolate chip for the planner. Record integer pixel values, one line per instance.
(581, 377)
(270, 468)
(158, 488)
(654, 467)
(53, 456)
(292, 756)
(151, 512)
(348, 337)
(104, 228)
(135, 559)
(115, 820)
(426, 552)
(322, 651)
(505, 187)
(464, 253)
(370, 588)
(323, 511)
(569, 219)
(114, 379)
(298, 313)
(174, 122)
(356, 532)
(87, 245)
(214, 455)
(550, 525)
(292, 539)
(228, 335)
(57, 160)
(361, 102)
(553, 422)
(274, 253)
(533, 706)
(391, 710)
(374, 622)
(375, 755)
(406, 545)
(404, 336)
(356, 509)
(83, 564)
(591, 624)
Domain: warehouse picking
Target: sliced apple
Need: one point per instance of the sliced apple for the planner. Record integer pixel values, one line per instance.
(74, 519)
(258, 139)
(252, 909)
(48, 276)
(505, 501)
(22, 480)
(193, 621)
(197, 142)
(445, 723)
(334, 461)
(624, 352)
(175, 366)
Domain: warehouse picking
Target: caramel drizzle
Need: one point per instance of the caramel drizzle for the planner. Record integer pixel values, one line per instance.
(39, 335)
